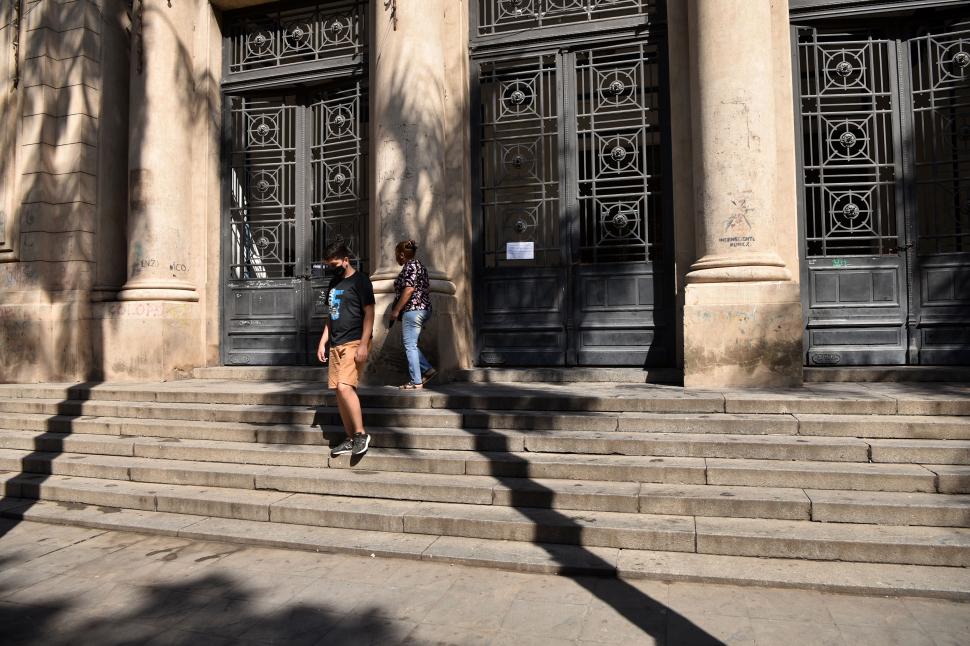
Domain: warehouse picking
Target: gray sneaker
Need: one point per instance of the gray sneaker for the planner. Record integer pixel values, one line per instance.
(344, 447)
(361, 442)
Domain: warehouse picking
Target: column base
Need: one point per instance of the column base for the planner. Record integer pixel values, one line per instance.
(441, 340)
(743, 334)
(149, 340)
(740, 268)
(159, 290)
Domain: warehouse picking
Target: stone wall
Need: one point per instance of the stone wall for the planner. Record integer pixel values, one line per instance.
(54, 203)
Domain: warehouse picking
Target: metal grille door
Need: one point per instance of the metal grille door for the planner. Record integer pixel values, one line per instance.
(296, 181)
(940, 72)
(573, 149)
(884, 175)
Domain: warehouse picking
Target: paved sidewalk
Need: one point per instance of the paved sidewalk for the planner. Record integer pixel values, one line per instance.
(67, 585)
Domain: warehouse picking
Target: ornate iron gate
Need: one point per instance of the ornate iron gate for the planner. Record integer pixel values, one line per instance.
(295, 175)
(885, 120)
(573, 268)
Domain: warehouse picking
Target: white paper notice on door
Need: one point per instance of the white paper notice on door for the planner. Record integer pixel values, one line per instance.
(520, 250)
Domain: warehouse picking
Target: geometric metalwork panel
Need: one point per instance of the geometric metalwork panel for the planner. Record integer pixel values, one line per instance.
(263, 196)
(573, 153)
(940, 68)
(620, 154)
(338, 169)
(849, 165)
(266, 39)
(520, 160)
(503, 16)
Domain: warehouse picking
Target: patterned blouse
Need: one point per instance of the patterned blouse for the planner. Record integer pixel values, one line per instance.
(413, 274)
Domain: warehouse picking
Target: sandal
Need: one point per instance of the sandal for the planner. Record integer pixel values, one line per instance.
(428, 376)
(410, 386)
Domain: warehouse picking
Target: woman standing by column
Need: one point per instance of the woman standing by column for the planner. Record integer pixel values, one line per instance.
(412, 305)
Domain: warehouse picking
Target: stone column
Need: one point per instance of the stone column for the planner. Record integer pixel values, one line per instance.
(742, 308)
(418, 90)
(162, 99)
(156, 330)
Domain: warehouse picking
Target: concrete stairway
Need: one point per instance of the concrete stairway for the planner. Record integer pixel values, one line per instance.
(845, 487)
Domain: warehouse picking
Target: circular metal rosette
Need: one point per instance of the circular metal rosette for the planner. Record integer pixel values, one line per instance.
(340, 180)
(619, 153)
(265, 240)
(845, 68)
(340, 120)
(515, 8)
(616, 86)
(337, 30)
(956, 60)
(263, 185)
(263, 129)
(298, 35)
(619, 221)
(851, 212)
(519, 159)
(848, 139)
(518, 96)
(519, 225)
(260, 43)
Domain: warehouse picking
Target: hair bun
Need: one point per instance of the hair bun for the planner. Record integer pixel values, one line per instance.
(411, 244)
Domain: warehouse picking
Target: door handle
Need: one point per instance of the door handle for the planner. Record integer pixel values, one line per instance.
(905, 247)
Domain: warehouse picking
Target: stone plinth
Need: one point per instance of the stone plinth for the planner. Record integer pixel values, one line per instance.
(149, 340)
(743, 334)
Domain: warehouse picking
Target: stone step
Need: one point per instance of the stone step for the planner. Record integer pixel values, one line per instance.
(713, 445)
(255, 414)
(854, 399)
(47, 442)
(860, 507)
(603, 529)
(739, 472)
(837, 399)
(724, 536)
(501, 463)
(951, 478)
(921, 451)
(852, 476)
(834, 541)
(858, 578)
(889, 508)
(471, 489)
(603, 399)
(924, 427)
(582, 443)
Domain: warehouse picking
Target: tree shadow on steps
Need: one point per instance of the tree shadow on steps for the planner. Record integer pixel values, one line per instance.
(555, 532)
(39, 465)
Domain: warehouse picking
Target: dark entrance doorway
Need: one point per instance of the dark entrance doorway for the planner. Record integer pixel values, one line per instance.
(295, 172)
(572, 261)
(297, 183)
(884, 111)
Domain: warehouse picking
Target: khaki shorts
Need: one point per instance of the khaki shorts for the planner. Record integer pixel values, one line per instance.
(343, 365)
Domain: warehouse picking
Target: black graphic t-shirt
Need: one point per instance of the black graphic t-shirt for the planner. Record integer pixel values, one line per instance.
(347, 299)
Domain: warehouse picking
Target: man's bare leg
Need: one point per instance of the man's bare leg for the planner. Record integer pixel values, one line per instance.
(349, 406)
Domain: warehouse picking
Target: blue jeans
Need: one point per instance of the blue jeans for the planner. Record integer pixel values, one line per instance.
(413, 321)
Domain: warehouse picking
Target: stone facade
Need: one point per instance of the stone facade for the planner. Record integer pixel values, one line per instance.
(110, 185)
